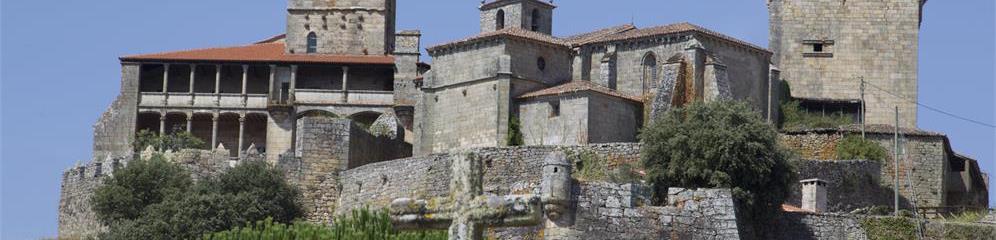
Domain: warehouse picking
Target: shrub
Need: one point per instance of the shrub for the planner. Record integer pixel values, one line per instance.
(856, 148)
(361, 224)
(591, 167)
(141, 183)
(889, 228)
(156, 199)
(718, 145)
(175, 141)
(514, 137)
(794, 117)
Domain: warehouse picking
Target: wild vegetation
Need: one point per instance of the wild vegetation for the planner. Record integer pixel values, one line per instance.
(362, 224)
(718, 145)
(795, 117)
(854, 147)
(174, 142)
(157, 199)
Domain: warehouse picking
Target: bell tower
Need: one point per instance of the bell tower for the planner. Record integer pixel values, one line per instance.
(531, 15)
(341, 27)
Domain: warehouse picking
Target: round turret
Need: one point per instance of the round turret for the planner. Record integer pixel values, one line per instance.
(556, 185)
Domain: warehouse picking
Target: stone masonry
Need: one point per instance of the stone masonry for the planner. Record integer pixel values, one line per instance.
(874, 39)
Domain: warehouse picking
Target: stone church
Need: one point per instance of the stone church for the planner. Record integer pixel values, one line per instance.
(343, 103)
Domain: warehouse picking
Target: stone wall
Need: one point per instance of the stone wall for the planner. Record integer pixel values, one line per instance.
(349, 27)
(325, 146)
(801, 226)
(115, 130)
(850, 184)
(539, 125)
(875, 39)
(927, 153)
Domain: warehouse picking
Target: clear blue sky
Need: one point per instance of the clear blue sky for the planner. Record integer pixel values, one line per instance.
(60, 70)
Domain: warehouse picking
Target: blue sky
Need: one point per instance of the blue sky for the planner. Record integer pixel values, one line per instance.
(67, 50)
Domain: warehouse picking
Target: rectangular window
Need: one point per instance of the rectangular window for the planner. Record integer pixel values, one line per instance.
(554, 109)
(818, 48)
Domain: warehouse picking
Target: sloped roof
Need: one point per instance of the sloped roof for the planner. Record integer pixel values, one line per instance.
(271, 50)
(580, 39)
(673, 29)
(507, 32)
(579, 86)
(499, 2)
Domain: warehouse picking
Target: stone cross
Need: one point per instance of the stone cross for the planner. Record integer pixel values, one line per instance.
(466, 212)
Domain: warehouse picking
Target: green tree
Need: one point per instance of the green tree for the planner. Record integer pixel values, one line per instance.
(718, 145)
(162, 202)
(142, 182)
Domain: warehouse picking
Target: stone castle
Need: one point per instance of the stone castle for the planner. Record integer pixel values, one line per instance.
(343, 103)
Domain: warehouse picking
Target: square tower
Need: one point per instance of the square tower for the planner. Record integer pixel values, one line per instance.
(532, 15)
(825, 47)
(341, 27)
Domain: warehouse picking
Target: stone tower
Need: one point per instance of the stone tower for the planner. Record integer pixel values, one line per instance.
(341, 27)
(533, 15)
(824, 48)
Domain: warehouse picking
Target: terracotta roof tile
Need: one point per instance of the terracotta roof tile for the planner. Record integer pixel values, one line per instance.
(578, 86)
(264, 52)
(580, 39)
(507, 32)
(497, 2)
(672, 29)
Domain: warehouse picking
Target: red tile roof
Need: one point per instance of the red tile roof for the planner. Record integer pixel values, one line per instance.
(579, 86)
(581, 39)
(672, 29)
(497, 2)
(507, 32)
(269, 52)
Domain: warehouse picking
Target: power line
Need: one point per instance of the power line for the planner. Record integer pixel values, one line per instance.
(932, 108)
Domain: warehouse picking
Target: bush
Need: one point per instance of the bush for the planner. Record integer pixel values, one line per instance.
(361, 224)
(591, 167)
(857, 148)
(889, 228)
(794, 117)
(514, 137)
(718, 145)
(174, 142)
(155, 199)
(141, 183)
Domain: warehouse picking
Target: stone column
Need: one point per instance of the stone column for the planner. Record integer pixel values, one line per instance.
(345, 84)
(162, 124)
(270, 90)
(166, 78)
(293, 83)
(217, 87)
(193, 76)
(245, 79)
(214, 131)
(242, 129)
(190, 122)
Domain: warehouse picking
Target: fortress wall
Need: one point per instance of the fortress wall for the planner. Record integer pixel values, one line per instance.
(793, 226)
(507, 171)
(930, 161)
(115, 130)
(850, 184)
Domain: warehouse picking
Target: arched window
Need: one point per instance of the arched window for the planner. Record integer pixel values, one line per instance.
(500, 20)
(536, 20)
(312, 42)
(649, 71)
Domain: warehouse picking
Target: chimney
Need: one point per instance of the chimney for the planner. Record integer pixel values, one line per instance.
(814, 195)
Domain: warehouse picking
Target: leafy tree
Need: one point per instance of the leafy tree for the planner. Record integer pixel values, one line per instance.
(856, 148)
(718, 145)
(162, 203)
(140, 183)
(175, 141)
